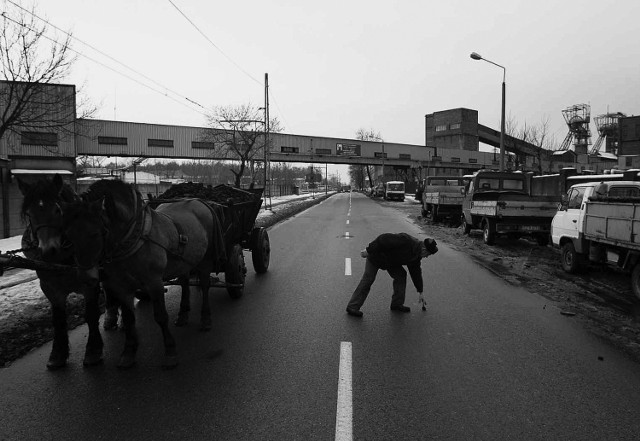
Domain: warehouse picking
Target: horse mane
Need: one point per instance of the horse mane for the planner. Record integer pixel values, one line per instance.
(118, 196)
(45, 190)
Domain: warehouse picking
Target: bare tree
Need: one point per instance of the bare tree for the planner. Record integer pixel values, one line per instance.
(357, 173)
(237, 134)
(538, 135)
(33, 63)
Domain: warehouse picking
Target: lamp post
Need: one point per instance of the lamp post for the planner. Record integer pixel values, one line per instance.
(477, 56)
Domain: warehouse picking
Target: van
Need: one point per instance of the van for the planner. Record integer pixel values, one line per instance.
(394, 190)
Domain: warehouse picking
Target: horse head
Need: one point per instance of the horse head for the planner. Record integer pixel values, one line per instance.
(41, 210)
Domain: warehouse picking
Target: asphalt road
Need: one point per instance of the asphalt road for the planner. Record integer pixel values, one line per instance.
(485, 361)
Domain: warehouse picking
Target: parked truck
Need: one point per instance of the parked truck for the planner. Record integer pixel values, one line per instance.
(394, 190)
(599, 222)
(500, 203)
(442, 198)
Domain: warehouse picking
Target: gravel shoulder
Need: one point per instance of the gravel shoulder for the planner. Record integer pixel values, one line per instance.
(600, 298)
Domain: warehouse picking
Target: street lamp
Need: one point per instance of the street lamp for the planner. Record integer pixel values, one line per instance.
(477, 56)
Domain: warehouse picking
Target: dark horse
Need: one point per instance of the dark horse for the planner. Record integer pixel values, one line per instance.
(43, 240)
(140, 248)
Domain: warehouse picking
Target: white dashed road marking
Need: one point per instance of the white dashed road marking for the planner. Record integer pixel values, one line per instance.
(347, 266)
(344, 414)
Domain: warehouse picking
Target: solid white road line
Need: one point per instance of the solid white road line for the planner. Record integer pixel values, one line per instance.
(347, 266)
(344, 414)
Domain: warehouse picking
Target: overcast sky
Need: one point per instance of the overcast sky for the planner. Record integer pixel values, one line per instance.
(337, 66)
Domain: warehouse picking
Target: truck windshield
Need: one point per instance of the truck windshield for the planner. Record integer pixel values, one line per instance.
(395, 187)
(488, 184)
(513, 184)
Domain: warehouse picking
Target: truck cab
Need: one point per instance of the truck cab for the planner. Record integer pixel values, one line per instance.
(500, 203)
(568, 223)
(394, 190)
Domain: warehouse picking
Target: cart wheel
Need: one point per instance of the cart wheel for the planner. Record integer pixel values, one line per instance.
(260, 250)
(235, 271)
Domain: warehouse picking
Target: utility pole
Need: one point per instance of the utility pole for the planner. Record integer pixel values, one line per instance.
(266, 134)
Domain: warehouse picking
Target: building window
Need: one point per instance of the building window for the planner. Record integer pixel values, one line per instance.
(455, 159)
(454, 126)
(201, 145)
(113, 140)
(284, 149)
(404, 156)
(160, 142)
(380, 154)
(323, 151)
(473, 161)
(40, 138)
(441, 128)
(628, 161)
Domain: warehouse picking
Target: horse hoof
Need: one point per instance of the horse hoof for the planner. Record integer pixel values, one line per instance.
(170, 362)
(126, 363)
(55, 364)
(92, 360)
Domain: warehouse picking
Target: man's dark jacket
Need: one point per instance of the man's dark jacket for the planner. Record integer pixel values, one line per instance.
(396, 249)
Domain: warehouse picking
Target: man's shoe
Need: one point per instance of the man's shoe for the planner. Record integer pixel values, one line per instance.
(400, 308)
(354, 312)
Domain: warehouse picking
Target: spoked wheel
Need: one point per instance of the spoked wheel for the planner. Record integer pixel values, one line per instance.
(235, 272)
(260, 250)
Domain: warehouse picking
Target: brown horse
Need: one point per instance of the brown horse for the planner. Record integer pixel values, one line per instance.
(140, 248)
(43, 240)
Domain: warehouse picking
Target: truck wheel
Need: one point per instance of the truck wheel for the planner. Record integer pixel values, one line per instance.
(489, 233)
(542, 239)
(260, 250)
(434, 213)
(425, 213)
(235, 272)
(635, 281)
(569, 258)
(466, 228)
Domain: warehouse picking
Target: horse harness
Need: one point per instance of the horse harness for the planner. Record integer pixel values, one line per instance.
(139, 231)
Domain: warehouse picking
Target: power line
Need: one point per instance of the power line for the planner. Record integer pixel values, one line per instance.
(108, 56)
(214, 45)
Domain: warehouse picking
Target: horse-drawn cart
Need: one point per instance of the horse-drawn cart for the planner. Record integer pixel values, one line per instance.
(237, 211)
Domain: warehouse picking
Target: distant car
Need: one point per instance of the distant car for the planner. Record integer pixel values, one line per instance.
(394, 190)
(378, 191)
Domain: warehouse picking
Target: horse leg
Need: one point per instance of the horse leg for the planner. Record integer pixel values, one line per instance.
(162, 318)
(58, 299)
(93, 351)
(128, 356)
(205, 311)
(185, 302)
(60, 350)
(111, 312)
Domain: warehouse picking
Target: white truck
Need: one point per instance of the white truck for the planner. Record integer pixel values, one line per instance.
(394, 190)
(599, 222)
(442, 198)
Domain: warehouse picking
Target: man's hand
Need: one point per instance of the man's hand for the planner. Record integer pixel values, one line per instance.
(364, 253)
